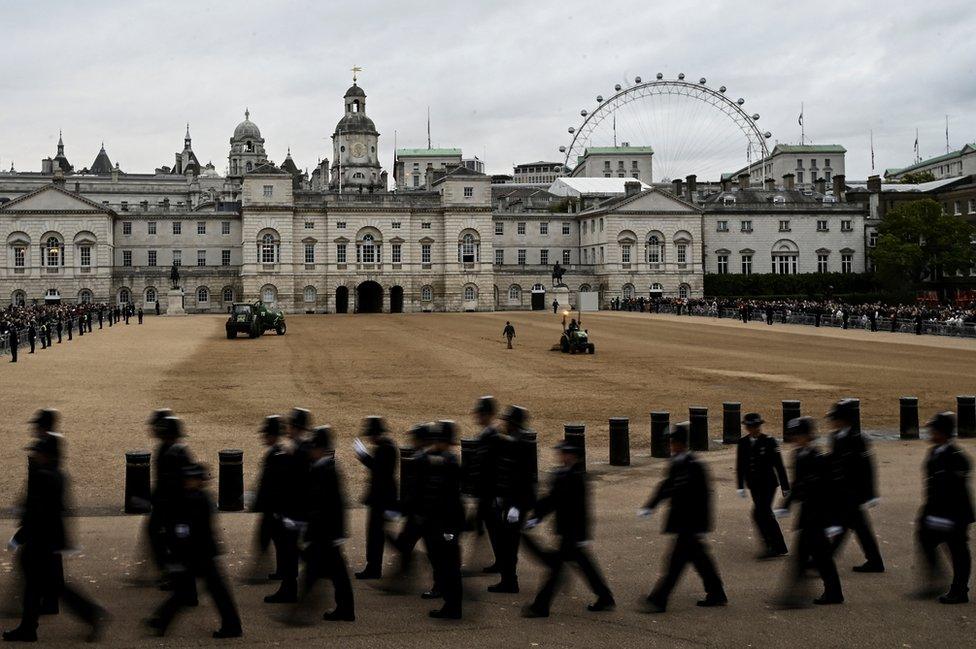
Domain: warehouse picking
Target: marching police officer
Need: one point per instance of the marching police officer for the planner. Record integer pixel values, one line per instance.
(515, 495)
(194, 551)
(412, 474)
(689, 519)
(171, 458)
(326, 531)
(271, 501)
(443, 517)
(381, 493)
(813, 490)
(296, 501)
(853, 468)
(759, 466)
(486, 473)
(947, 511)
(568, 498)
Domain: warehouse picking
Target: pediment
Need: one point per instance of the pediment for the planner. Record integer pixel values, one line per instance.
(655, 201)
(53, 199)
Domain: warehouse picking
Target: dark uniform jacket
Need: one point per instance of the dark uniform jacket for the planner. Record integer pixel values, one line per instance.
(813, 488)
(484, 474)
(326, 503)
(298, 481)
(272, 495)
(42, 523)
(686, 486)
(568, 497)
(853, 468)
(759, 465)
(381, 492)
(171, 457)
(440, 499)
(413, 469)
(516, 473)
(947, 493)
(190, 531)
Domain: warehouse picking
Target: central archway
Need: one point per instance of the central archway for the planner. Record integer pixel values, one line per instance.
(369, 298)
(342, 300)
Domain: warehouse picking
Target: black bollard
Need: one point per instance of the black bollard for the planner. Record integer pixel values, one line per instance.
(619, 441)
(731, 422)
(576, 433)
(230, 484)
(532, 438)
(469, 468)
(908, 417)
(966, 415)
(137, 482)
(698, 420)
(791, 411)
(660, 421)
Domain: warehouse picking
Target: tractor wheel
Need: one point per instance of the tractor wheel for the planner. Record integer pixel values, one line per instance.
(591, 348)
(253, 333)
(564, 344)
(280, 329)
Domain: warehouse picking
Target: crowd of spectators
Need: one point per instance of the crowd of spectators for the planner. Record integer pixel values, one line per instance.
(42, 324)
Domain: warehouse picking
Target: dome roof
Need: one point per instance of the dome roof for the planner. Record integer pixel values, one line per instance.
(355, 91)
(247, 128)
(355, 123)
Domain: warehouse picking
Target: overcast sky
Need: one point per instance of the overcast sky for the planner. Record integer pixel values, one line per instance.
(503, 79)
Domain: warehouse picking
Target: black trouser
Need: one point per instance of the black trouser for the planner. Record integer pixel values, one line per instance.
(445, 562)
(326, 561)
(375, 539)
(285, 542)
(41, 580)
(857, 521)
(687, 548)
(488, 518)
(813, 546)
(957, 542)
(507, 546)
(184, 588)
(569, 551)
(13, 351)
(766, 523)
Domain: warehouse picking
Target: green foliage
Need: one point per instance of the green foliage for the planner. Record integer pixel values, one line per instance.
(804, 285)
(917, 241)
(916, 177)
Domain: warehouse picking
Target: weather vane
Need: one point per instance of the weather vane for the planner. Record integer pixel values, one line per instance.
(355, 70)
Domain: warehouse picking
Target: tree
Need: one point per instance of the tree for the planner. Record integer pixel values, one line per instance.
(916, 177)
(917, 242)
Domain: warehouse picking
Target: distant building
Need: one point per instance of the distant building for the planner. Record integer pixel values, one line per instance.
(950, 165)
(412, 165)
(623, 161)
(474, 164)
(541, 173)
(807, 162)
(592, 187)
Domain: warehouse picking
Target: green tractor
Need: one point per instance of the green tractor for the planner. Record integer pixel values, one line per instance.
(254, 319)
(576, 341)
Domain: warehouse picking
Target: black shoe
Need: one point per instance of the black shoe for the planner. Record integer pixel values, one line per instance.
(155, 626)
(652, 605)
(223, 632)
(771, 554)
(532, 612)
(602, 604)
(339, 616)
(827, 600)
(433, 593)
(504, 587)
(369, 574)
(281, 597)
(493, 569)
(867, 566)
(713, 600)
(98, 624)
(19, 635)
(445, 614)
(954, 598)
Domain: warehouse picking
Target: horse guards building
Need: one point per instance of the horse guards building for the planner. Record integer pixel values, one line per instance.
(338, 240)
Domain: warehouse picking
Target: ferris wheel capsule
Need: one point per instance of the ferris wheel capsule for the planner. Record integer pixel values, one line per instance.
(617, 87)
(572, 130)
(721, 88)
(583, 113)
(702, 81)
(755, 116)
(599, 98)
(562, 149)
(767, 135)
(637, 79)
(740, 101)
(660, 76)
(681, 76)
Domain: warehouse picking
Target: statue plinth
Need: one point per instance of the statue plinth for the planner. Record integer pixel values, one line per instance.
(174, 304)
(560, 294)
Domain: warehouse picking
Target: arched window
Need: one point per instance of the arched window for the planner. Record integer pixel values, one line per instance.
(53, 292)
(52, 252)
(515, 294)
(85, 296)
(655, 250)
(125, 297)
(427, 293)
(249, 166)
(470, 293)
(309, 294)
(684, 291)
(584, 288)
(368, 249)
(269, 295)
(203, 294)
(468, 248)
(358, 176)
(228, 294)
(628, 291)
(19, 298)
(268, 249)
(151, 294)
(657, 286)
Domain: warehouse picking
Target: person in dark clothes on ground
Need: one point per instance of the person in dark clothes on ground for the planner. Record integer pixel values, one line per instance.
(486, 474)
(509, 333)
(759, 467)
(381, 495)
(271, 501)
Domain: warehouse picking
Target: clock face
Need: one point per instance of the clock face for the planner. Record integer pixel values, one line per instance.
(358, 150)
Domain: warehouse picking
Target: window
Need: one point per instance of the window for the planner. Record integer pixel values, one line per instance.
(544, 228)
(425, 253)
(723, 264)
(126, 227)
(628, 291)
(799, 177)
(126, 257)
(655, 250)
(309, 294)
(228, 294)
(427, 293)
(203, 295)
(565, 228)
(425, 225)
(566, 256)
(514, 293)
(340, 253)
(499, 256)
(681, 251)
(601, 224)
(368, 249)
(225, 257)
(683, 291)
(826, 162)
(822, 226)
(201, 227)
(784, 225)
(201, 257)
(603, 254)
(822, 263)
(746, 226)
(544, 257)
(521, 227)
(151, 258)
(625, 254)
(784, 263)
(150, 294)
(416, 181)
(872, 238)
(747, 264)
(592, 226)
(396, 253)
(395, 225)
(722, 226)
(53, 253)
(468, 192)
(340, 225)
(177, 227)
(269, 249)
(20, 256)
(124, 296)
(499, 228)
(151, 227)
(468, 249)
(309, 253)
(521, 256)
(848, 226)
(268, 191)
(972, 205)
(177, 257)
(225, 227)
(469, 293)
(847, 263)
(84, 253)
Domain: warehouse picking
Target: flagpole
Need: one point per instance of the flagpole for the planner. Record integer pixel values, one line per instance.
(428, 128)
(947, 134)
(872, 150)
(802, 128)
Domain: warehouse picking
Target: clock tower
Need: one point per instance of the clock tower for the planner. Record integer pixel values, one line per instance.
(356, 164)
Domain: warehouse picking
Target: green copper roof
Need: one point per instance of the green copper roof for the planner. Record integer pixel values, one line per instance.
(939, 158)
(604, 150)
(427, 153)
(808, 148)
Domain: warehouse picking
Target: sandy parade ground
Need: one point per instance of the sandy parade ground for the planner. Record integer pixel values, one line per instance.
(411, 368)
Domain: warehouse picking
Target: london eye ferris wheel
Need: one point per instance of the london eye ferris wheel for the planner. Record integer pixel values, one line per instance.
(691, 127)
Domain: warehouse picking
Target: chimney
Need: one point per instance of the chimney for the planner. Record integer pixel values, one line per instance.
(769, 184)
(677, 187)
(692, 181)
(47, 166)
(840, 186)
(743, 181)
(874, 184)
(788, 182)
(725, 184)
(632, 187)
(821, 185)
(429, 175)
(115, 173)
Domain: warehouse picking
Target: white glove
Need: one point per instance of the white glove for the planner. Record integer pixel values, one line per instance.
(583, 544)
(513, 515)
(781, 513)
(182, 531)
(938, 523)
(12, 544)
(529, 524)
(449, 537)
(741, 492)
(289, 524)
(360, 448)
(833, 531)
(391, 515)
(871, 503)
(644, 512)
(338, 542)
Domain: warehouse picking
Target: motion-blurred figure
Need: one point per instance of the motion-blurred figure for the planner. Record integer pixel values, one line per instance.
(271, 500)
(442, 517)
(759, 467)
(380, 498)
(485, 475)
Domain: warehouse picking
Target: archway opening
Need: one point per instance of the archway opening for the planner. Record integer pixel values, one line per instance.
(396, 299)
(369, 298)
(342, 300)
